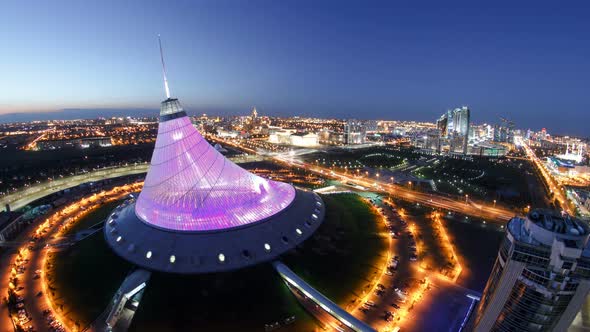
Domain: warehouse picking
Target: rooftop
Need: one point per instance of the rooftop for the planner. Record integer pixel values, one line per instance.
(557, 222)
(190, 186)
(542, 226)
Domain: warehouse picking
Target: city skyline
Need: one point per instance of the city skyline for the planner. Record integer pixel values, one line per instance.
(322, 60)
(313, 166)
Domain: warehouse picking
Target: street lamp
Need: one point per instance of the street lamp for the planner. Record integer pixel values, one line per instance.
(494, 203)
(466, 198)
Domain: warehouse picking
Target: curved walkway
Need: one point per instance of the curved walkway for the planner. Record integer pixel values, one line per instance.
(27, 195)
(318, 298)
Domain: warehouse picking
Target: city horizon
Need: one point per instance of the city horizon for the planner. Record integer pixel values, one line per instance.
(95, 113)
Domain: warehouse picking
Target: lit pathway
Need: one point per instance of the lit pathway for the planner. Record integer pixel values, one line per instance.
(318, 298)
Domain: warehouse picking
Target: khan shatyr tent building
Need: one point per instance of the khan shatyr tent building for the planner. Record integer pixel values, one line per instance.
(199, 212)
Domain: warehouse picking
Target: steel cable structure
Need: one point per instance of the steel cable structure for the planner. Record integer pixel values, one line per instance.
(190, 186)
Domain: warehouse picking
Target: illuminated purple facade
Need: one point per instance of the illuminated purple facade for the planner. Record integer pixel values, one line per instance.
(190, 186)
(198, 212)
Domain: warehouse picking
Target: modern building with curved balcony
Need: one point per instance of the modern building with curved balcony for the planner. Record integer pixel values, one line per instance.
(541, 276)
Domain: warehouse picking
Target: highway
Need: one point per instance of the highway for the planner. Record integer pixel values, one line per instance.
(554, 186)
(480, 210)
(27, 195)
(490, 212)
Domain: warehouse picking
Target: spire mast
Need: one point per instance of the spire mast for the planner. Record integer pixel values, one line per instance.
(164, 69)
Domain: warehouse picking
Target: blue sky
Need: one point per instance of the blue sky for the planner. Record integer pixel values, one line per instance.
(528, 61)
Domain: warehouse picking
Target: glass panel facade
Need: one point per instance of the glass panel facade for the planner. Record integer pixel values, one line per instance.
(190, 186)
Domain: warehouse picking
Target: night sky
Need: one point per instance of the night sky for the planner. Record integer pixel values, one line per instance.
(527, 61)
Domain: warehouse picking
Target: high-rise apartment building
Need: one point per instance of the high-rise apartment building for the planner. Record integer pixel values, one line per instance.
(541, 276)
(454, 126)
(354, 132)
(504, 132)
(461, 120)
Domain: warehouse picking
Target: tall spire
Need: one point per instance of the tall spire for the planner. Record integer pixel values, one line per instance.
(164, 69)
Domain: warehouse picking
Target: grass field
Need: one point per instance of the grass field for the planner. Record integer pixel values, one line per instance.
(341, 256)
(94, 217)
(84, 278)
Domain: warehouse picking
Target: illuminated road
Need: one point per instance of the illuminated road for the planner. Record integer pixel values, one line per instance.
(554, 186)
(25, 196)
(33, 144)
(484, 211)
(35, 285)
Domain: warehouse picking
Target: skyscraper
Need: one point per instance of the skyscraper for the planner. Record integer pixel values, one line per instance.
(354, 132)
(504, 132)
(541, 276)
(442, 124)
(454, 126)
(461, 120)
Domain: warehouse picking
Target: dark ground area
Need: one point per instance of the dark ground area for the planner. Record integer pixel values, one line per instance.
(478, 244)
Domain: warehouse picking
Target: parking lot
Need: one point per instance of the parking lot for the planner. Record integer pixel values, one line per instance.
(407, 296)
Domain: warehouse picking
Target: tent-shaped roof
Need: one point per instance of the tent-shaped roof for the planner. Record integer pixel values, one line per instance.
(190, 186)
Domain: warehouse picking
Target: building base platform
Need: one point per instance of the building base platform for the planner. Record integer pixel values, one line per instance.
(185, 252)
